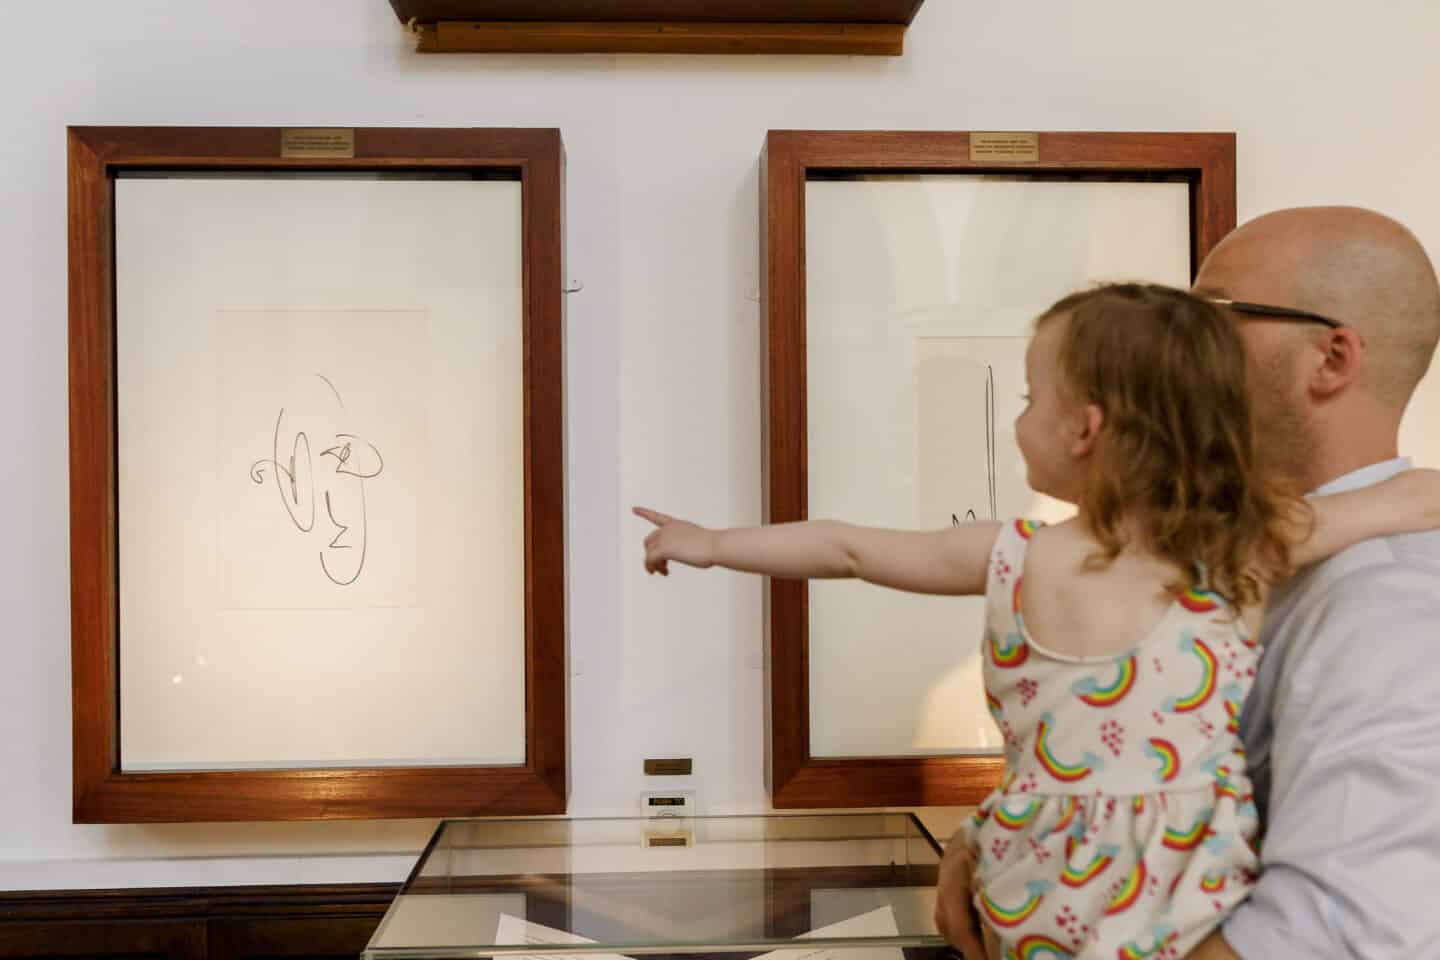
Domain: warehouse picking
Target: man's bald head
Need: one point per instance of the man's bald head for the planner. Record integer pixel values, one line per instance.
(1357, 266)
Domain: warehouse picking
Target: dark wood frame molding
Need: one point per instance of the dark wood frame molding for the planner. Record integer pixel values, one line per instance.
(103, 794)
(847, 27)
(795, 778)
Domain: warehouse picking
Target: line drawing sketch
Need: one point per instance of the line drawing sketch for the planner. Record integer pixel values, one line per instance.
(990, 438)
(306, 482)
(989, 401)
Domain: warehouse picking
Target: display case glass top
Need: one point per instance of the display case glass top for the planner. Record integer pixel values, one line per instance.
(859, 884)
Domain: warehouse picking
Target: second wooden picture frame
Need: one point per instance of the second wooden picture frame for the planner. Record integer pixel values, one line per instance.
(895, 262)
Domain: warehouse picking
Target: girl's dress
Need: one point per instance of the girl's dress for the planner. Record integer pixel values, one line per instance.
(1125, 824)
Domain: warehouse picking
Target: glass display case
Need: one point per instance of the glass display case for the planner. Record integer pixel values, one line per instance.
(862, 885)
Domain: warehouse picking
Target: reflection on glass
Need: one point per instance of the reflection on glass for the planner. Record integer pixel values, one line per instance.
(861, 886)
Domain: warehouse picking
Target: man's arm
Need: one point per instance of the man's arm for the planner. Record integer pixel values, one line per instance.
(1352, 839)
(954, 914)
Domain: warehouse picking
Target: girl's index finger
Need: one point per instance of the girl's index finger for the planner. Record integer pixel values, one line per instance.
(653, 516)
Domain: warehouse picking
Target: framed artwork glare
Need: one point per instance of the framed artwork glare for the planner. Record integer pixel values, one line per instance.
(317, 512)
(904, 272)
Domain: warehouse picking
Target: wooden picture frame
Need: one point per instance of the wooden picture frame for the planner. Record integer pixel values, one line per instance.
(784, 27)
(102, 792)
(1206, 161)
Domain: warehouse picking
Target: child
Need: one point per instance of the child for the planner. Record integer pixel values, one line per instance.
(1124, 825)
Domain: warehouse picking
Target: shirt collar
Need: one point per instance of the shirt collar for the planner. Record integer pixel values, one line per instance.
(1366, 476)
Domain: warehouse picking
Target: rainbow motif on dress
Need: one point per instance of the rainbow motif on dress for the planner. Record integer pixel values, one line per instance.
(1164, 751)
(1013, 917)
(1192, 838)
(1200, 601)
(1014, 821)
(1232, 710)
(1213, 882)
(1138, 804)
(1161, 939)
(1038, 947)
(1015, 606)
(1073, 877)
(1095, 695)
(1234, 696)
(1209, 670)
(1224, 787)
(978, 818)
(1072, 842)
(1067, 817)
(1064, 772)
(993, 704)
(1129, 891)
(1013, 652)
(1026, 528)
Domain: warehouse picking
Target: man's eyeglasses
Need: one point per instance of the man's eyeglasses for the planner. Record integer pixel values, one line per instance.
(1277, 313)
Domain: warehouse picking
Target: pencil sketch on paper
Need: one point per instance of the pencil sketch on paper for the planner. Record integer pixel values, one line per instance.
(988, 412)
(967, 466)
(324, 490)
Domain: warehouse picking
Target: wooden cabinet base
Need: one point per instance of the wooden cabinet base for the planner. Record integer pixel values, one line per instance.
(210, 923)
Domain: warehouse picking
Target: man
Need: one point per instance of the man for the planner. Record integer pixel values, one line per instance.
(1340, 309)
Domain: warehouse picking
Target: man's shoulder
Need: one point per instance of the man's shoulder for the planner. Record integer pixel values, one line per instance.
(1366, 617)
(1399, 559)
(1387, 577)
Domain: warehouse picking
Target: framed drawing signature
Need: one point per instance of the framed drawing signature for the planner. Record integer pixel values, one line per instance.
(317, 513)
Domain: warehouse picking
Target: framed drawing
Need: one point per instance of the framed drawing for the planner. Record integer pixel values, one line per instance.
(317, 492)
(903, 274)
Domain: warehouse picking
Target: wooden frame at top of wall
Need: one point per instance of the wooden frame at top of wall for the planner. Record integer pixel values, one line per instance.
(786, 27)
(1206, 161)
(104, 794)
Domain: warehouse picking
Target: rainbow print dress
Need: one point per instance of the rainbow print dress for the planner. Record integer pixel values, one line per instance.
(1125, 824)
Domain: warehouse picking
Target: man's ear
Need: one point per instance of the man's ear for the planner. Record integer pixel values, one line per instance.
(1088, 421)
(1339, 362)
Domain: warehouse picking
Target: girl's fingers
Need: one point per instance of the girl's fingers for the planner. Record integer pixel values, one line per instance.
(655, 559)
(654, 516)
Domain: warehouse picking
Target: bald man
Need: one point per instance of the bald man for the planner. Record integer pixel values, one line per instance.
(1340, 310)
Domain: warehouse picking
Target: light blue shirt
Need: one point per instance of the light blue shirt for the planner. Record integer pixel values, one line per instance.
(1342, 731)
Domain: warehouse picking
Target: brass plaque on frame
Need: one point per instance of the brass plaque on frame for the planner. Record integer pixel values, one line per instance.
(1009, 147)
(317, 143)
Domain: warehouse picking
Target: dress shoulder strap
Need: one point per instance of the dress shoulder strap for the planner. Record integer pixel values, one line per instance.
(1007, 565)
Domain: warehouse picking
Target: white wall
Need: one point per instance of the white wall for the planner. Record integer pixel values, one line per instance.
(1332, 103)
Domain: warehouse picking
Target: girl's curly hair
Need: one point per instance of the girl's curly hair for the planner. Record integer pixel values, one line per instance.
(1177, 450)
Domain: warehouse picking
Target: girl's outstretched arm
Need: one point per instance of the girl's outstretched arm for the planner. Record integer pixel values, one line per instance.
(1406, 503)
(950, 561)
